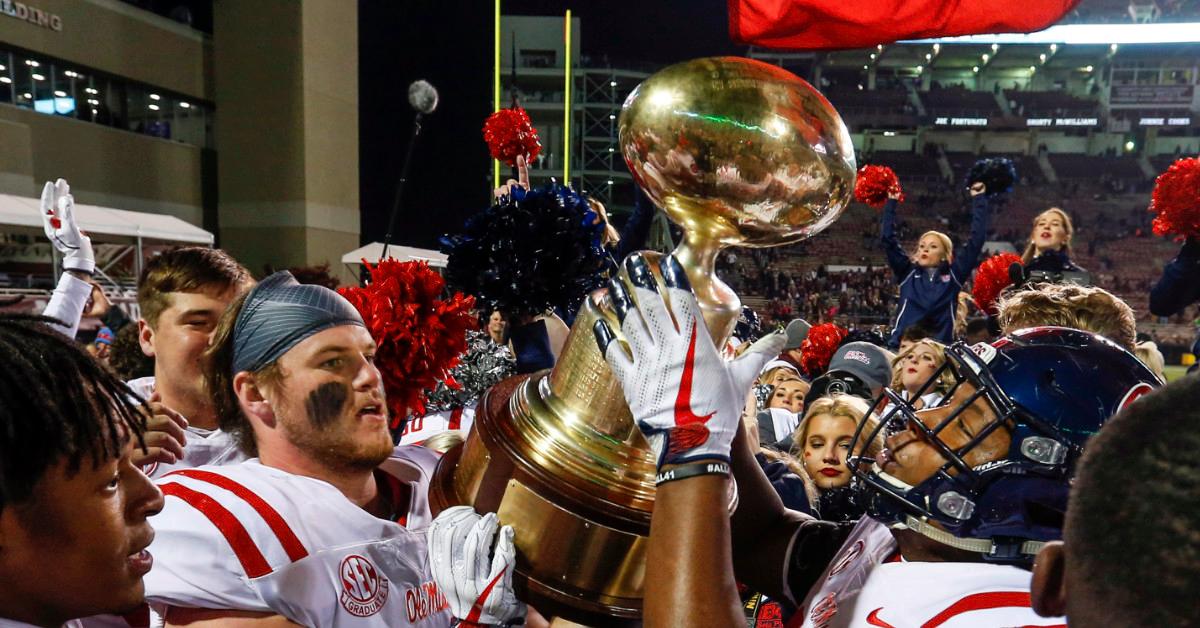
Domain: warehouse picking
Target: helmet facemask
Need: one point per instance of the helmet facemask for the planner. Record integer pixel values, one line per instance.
(955, 493)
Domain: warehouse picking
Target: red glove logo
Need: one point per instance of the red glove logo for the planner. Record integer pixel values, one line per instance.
(689, 431)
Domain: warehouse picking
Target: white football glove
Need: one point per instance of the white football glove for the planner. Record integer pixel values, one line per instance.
(58, 220)
(684, 397)
(479, 590)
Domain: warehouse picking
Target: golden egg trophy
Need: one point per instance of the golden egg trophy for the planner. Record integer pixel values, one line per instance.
(737, 152)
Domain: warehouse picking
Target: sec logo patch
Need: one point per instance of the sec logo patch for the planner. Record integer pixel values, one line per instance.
(364, 590)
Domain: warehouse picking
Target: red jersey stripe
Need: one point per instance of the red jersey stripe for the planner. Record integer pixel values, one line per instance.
(291, 544)
(455, 419)
(979, 602)
(234, 532)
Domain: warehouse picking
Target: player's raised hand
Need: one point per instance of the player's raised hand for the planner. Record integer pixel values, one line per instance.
(522, 180)
(684, 397)
(478, 588)
(58, 221)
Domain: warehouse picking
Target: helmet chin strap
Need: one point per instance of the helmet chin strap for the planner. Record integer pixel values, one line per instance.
(978, 546)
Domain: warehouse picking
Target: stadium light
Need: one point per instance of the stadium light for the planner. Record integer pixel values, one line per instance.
(986, 56)
(1053, 47)
(1042, 57)
(975, 69)
(995, 47)
(1129, 146)
(928, 57)
(937, 48)
(1033, 68)
(1088, 68)
(1095, 34)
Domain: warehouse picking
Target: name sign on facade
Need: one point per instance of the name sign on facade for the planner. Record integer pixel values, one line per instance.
(33, 15)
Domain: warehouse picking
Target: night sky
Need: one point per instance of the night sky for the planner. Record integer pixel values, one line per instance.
(449, 44)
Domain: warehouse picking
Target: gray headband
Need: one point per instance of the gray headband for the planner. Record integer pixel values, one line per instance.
(279, 313)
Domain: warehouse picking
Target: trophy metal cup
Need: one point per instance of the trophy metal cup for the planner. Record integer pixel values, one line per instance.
(737, 152)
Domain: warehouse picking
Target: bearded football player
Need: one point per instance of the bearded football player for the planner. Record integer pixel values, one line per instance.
(325, 524)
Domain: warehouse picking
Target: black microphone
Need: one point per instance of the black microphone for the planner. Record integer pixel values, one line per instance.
(423, 97)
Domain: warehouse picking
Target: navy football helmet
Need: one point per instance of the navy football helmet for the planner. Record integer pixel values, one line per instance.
(1051, 388)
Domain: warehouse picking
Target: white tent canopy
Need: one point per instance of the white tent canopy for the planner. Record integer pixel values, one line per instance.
(21, 211)
(372, 251)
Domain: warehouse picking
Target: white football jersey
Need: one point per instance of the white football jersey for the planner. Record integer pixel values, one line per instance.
(420, 429)
(203, 447)
(254, 538)
(867, 585)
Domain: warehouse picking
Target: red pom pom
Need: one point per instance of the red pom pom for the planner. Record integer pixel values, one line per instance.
(510, 134)
(420, 335)
(817, 349)
(1176, 199)
(874, 183)
(991, 278)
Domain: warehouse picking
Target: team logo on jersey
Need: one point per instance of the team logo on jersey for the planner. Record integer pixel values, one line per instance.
(854, 552)
(423, 601)
(823, 611)
(364, 589)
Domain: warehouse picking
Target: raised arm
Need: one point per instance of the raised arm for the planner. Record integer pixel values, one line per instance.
(981, 213)
(58, 221)
(762, 528)
(1179, 285)
(687, 401)
(637, 227)
(897, 259)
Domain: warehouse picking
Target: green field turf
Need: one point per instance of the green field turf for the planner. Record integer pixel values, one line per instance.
(1175, 372)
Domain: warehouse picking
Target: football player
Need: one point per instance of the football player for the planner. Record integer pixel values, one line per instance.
(73, 506)
(325, 526)
(1129, 558)
(961, 500)
(181, 294)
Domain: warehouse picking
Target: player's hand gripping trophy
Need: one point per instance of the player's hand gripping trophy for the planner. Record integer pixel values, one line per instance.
(737, 152)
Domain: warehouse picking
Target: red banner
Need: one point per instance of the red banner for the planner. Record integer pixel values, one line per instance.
(832, 24)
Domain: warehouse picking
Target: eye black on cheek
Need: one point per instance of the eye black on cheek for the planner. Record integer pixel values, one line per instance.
(326, 402)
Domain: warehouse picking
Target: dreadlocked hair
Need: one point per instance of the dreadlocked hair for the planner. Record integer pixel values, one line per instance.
(56, 403)
(218, 378)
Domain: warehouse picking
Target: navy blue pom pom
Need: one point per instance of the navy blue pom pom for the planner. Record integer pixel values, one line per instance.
(531, 251)
(997, 173)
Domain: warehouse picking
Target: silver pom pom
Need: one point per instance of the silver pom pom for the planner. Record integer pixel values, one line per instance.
(422, 96)
(484, 364)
